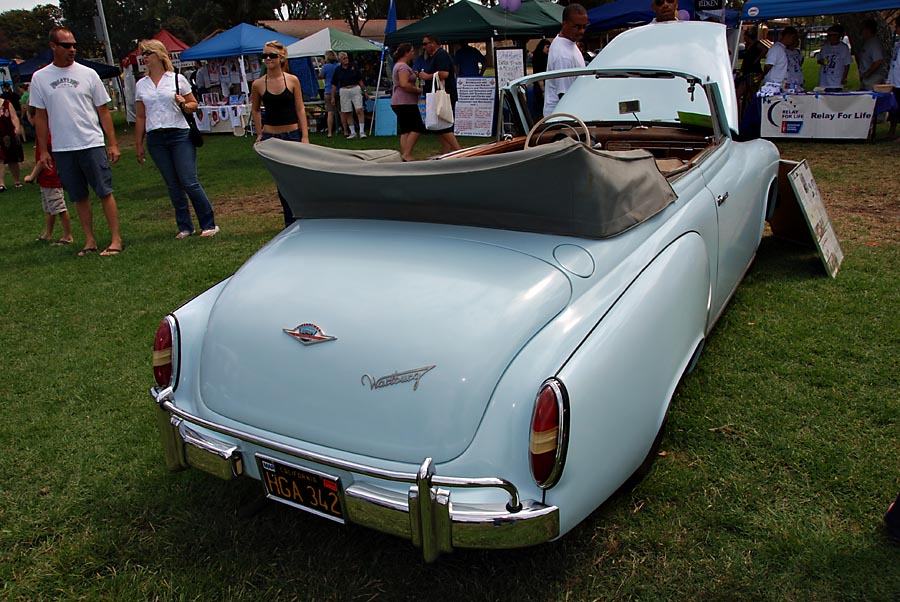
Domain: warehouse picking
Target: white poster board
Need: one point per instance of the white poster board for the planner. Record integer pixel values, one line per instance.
(810, 200)
(835, 116)
(474, 106)
(510, 65)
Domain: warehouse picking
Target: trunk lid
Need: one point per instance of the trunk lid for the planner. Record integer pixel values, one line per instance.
(424, 327)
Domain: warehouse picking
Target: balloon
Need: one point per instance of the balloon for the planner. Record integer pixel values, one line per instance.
(502, 3)
(684, 15)
(513, 5)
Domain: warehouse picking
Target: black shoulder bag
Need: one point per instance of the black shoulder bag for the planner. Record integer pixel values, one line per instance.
(194, 134)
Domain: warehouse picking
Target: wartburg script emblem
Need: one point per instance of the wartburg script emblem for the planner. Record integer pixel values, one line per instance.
(309, 334)
(397, 378)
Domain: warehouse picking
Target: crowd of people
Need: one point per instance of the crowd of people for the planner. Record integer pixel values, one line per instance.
(70, 101)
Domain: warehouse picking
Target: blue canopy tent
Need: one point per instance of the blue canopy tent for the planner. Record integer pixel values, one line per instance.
(7, 69)
(244, 39)
(240, 40)
(627, 13)
(774, 9)
(45, 57)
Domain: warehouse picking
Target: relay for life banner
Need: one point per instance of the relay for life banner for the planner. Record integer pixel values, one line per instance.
(847, 116)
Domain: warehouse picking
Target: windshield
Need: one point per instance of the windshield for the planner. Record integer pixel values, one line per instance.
(616, 97)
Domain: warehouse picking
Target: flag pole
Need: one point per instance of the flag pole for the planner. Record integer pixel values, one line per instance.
(389, 27)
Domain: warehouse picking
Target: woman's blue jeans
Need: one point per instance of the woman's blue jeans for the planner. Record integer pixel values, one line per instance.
(176, 159)
(292, 136)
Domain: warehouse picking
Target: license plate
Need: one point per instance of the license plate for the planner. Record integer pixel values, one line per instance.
(302, 488)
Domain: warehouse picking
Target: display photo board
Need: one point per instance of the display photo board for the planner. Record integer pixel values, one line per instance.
(802, 198)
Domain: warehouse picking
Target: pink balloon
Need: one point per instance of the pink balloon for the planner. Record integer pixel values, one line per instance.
(502, 3)
(684, 15)
(513, 5)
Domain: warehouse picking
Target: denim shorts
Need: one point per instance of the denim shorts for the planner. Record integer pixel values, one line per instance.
(80, 168)
(292, 136)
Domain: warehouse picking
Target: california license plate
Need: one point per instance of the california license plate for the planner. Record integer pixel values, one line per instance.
(302, 488)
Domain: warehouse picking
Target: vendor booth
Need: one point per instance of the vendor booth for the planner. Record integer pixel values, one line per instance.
(232, 60)
(823, 113)
(317, 45)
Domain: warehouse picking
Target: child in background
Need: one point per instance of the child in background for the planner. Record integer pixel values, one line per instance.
(53, 200)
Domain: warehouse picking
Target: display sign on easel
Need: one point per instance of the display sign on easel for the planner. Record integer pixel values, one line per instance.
(475, 107)
(803, 197)
(509, 64)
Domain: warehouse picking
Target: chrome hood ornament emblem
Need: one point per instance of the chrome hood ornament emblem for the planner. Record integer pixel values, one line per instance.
(309, 334)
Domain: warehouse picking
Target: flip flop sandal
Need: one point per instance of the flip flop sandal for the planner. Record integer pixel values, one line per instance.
(110, 251)
(18, 184)
(2, 188)
(87, 251)
(60, 243)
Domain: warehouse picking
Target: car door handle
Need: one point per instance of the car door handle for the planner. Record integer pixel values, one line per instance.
(721, 199)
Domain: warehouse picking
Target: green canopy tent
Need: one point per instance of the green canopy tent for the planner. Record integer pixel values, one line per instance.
(544, 14)
(330, 39)
(466, 21)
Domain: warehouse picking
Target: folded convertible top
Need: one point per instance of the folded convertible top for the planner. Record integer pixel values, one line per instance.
(559, 188)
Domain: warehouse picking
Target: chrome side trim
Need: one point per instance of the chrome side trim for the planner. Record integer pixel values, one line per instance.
(165, 400)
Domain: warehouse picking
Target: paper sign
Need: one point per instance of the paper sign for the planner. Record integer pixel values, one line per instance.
(510, 65)
(475, 106)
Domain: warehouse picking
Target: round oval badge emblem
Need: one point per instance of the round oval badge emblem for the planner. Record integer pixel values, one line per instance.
(308, 334)
(752, 11)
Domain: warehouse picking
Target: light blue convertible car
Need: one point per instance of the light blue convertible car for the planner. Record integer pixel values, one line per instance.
(477, 351)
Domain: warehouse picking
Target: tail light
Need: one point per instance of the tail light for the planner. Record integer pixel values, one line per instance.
(164, 352)
(549, 434)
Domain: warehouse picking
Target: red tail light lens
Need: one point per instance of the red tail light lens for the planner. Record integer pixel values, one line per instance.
(163, 355)
(549, 425)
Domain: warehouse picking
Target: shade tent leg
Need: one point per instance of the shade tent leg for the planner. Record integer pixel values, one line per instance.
(377, 90)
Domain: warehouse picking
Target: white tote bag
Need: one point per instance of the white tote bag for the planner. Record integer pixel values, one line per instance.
(438, 108)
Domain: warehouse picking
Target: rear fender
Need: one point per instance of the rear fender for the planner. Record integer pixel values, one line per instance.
(621, 378)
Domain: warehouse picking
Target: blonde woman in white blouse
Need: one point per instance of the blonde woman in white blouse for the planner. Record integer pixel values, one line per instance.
(159, 116)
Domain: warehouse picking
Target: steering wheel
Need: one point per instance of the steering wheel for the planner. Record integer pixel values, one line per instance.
(541, 126)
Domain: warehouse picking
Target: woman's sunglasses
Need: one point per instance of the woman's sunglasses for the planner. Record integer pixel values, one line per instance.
(146, 52)
(270, 55)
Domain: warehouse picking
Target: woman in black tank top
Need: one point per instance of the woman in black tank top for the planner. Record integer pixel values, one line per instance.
(279, 92)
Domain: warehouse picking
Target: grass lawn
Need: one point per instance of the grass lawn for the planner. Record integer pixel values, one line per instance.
(780, 458)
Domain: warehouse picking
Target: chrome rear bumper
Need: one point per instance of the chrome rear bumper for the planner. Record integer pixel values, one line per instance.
(424, 514)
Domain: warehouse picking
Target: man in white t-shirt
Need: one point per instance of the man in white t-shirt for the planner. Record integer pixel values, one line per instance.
(776, 69)
(565, 54)
(70, 101)
(871, 57)
(835, 59)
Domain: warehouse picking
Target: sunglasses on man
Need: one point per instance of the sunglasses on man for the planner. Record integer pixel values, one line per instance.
(67, 45)
(661, 2)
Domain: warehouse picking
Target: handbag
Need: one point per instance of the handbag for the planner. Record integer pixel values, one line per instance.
(194, 134)
(438, 107)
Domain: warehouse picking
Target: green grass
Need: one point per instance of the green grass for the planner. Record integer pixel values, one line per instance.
(780, 457)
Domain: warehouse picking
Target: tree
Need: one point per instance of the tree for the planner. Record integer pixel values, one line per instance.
(23, 33)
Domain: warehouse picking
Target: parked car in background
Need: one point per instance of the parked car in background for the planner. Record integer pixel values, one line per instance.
(477, 351)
